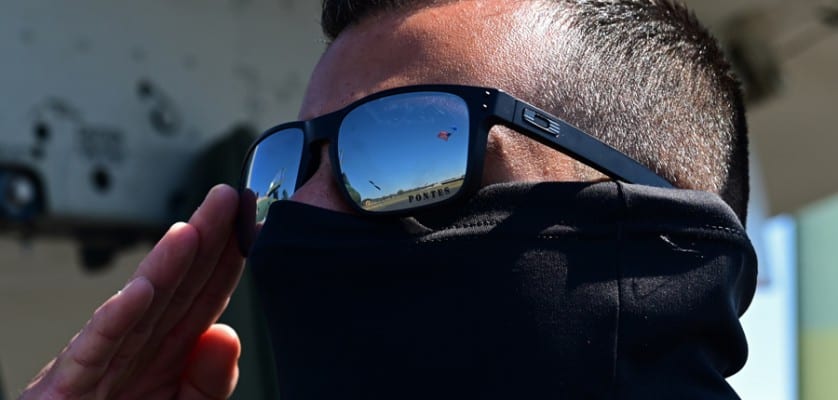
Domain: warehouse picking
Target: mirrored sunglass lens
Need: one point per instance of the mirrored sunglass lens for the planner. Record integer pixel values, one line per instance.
(404, 151)
(273, 169)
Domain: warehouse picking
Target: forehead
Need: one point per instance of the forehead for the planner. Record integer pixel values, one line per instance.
(461, 43)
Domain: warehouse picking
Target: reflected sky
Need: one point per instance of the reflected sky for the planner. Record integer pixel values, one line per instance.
(274, 168)
(403, 142)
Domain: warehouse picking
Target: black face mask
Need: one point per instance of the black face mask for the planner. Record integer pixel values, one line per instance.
(552, 290)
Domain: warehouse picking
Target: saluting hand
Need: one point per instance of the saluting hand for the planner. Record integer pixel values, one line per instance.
(156, 338)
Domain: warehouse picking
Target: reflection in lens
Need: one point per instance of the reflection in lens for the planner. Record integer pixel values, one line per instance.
(273, 169)
(404, 151)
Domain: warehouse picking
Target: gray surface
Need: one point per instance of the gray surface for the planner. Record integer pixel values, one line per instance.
(793, 132)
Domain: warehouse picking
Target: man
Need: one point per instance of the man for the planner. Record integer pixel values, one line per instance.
(522, 289)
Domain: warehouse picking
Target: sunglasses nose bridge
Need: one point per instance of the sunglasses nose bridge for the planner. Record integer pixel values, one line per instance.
(321, 135)
(322, 187)
(316, 154)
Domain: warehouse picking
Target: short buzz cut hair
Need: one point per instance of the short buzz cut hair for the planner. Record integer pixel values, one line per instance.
(642, 75)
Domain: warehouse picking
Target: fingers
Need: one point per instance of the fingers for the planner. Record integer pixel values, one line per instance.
(164, 267)
(213, 365)
(207, 307)
(116, 347)
(211, 226)
(213, 299)
(213, 222)
(85, 360)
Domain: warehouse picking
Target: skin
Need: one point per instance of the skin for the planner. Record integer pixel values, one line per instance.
(156, 339)
(434, 45)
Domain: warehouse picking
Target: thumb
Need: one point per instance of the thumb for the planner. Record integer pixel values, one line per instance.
(213, 368)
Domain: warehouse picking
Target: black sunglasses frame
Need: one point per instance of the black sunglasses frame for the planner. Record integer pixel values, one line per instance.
(486, 107)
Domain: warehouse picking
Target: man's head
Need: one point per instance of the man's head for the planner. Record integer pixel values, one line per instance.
(641, 75)
(506, 296)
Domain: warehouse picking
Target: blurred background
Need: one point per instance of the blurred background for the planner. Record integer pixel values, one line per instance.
(116, 117)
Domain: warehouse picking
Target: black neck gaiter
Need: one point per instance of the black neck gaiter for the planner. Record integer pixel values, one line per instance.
(527, 291)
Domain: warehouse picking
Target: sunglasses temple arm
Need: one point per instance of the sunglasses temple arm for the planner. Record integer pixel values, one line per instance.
(562, 136)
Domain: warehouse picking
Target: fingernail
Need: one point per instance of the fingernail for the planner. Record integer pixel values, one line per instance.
(215, 189)
(127, 285)
(130, 284)
(177, 225)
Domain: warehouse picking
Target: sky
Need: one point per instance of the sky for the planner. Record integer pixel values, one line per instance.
(421, 132)
(770, 323)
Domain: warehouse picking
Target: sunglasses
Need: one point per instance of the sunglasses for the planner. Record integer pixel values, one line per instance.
(400, 151)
